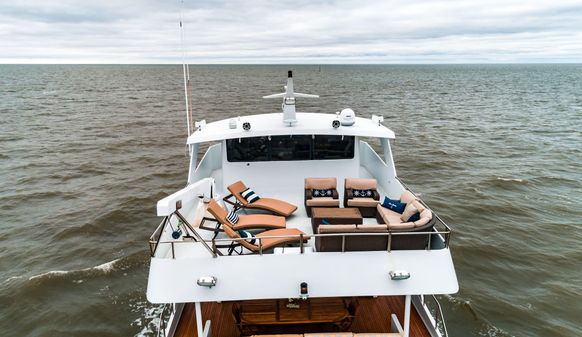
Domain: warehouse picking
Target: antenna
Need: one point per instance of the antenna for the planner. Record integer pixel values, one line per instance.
(186, 71)
(289, 115)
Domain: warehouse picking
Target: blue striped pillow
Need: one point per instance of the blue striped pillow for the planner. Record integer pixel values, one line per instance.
(232, 217)
(250, 238)
(249, 195)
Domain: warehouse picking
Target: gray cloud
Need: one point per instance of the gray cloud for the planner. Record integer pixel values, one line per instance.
(300, 31)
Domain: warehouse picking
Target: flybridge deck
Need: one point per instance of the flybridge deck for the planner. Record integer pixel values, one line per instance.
(272, 125)
(364, 251)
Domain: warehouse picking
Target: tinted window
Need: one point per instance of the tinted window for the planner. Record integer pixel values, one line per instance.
(291, 147)
(285, 148)
(333, 147)
(247, 149)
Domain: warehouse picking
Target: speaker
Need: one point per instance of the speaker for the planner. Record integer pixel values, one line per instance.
(336, 123)
(246, 126)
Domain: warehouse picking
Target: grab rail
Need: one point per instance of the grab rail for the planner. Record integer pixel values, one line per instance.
(448, 228)
(167, 311)
(439, 324)
(213, 245)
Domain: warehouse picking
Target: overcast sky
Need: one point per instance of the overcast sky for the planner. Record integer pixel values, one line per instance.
(300, 31)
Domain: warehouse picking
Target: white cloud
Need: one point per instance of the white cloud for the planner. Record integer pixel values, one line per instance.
(300, 31)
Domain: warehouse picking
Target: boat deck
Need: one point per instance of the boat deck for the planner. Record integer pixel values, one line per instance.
(372, 316)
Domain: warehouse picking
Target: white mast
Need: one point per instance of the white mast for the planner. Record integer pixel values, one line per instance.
(289, 115)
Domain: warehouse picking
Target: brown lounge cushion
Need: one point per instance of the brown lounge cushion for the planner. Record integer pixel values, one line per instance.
(246, 221)
(289, 235)
(269, 204)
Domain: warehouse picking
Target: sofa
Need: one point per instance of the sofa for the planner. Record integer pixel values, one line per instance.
(366, 204)
(314, 184)
(395, 224)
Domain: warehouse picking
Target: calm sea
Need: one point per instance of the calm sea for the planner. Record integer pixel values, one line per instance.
(86, 151)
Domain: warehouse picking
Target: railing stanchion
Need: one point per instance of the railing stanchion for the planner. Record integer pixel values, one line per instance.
(389, 241)
(343, 243)
(301, 243)
(173, 253)
(429, 239)
(260, 246)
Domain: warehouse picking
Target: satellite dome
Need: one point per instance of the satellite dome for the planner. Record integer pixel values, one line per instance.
(347, 117)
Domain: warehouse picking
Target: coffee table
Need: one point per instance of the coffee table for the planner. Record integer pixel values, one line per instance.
(347, 216)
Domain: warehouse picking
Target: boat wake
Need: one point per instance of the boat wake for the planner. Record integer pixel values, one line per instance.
(149, 319)
(102, 269)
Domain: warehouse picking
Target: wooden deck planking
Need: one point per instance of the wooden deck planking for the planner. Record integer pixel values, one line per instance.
(372, 315)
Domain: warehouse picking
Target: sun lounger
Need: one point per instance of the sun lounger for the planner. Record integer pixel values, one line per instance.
(268, 239)
(276, 206)
(251, 221)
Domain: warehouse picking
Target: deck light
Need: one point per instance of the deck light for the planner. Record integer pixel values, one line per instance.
(207, 281)
(336, 123)
(397, 275)
(246, 126)
(304, 291)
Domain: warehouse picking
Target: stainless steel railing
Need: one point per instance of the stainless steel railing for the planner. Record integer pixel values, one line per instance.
(213, 246)
(167, 312)
(437, 313)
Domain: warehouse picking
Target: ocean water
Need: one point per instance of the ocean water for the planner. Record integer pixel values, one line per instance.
(86, 151)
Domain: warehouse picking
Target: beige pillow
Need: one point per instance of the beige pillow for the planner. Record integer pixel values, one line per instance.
(411, 209)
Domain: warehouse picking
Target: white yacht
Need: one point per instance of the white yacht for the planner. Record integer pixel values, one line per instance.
(291, 224)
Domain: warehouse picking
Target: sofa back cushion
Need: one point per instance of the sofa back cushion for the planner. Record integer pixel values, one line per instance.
(361, 184)
(407, 197)
(320, 183)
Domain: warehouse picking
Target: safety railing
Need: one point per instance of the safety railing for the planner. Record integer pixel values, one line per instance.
(214, 246)
(440, 221)
(437, 313)
(167, 312)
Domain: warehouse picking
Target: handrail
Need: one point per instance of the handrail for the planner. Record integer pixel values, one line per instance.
(440, 324)
(155, 241)
(215, 243)
(449, 229)
(167, 311)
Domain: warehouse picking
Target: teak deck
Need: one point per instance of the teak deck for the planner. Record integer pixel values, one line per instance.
(372, 315)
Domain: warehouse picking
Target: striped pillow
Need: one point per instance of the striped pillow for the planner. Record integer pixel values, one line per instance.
(232, 217)
(249, 195)
(250, 238)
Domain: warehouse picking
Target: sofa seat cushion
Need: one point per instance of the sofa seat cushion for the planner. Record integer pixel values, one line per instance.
(323, 201)
(388, 216)
(401, 225)
(326, 229)
(362, 202)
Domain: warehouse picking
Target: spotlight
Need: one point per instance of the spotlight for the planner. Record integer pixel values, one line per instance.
(246, 126)
(206, 281)
(336, 123)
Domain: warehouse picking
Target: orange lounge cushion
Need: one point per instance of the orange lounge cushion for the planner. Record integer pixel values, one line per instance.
(275, 205)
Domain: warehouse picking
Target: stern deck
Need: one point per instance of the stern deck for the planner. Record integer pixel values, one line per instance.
(372, 316)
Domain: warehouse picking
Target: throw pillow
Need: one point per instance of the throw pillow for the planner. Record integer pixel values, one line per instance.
(415, 217)
(362, 193)
(250, 238)
(409, 211)
(321, 193)
(393, 205)
(232, 217)
(249, 195)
